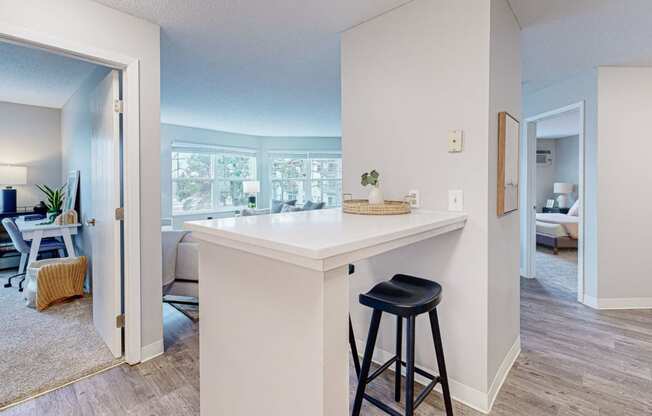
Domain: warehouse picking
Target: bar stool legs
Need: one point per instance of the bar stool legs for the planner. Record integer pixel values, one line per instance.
(366, 361)
(399, 348)
(354, 349)
(439, 350)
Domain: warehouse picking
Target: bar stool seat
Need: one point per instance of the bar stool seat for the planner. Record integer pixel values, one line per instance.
(406, 297)
(403, 296)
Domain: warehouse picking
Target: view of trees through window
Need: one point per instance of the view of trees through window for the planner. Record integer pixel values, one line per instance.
(206, 180)
(303, 178)
(203, 181)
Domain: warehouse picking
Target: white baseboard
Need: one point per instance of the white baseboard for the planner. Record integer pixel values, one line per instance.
(152, 350)
(462, 393)
(503, 371)
(617, 303)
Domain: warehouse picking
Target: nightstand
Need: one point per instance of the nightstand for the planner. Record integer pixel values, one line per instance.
(555, 210)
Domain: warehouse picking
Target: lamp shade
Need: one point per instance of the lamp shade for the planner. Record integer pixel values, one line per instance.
(563, 188)
(13, 175)
(251, 187)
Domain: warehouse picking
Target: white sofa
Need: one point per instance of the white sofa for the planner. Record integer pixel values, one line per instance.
(180, 263)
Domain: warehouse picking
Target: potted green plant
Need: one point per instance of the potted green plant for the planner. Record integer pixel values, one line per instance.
(373, 179)
(54, 199)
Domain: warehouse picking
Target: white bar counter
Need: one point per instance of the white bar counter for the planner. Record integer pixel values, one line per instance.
(274, 295)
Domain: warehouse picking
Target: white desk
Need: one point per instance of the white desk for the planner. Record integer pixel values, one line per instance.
(274, 326)
(34, 231)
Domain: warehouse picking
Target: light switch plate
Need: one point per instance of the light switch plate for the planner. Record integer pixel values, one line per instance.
(455, 138)
(414, 198)
(455, 200)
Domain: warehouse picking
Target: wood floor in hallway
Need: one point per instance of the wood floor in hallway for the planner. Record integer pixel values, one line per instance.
(575, 361)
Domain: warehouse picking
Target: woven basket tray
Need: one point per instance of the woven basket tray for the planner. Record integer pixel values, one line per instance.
(363, 207)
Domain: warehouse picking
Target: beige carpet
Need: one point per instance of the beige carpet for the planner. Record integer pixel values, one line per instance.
(44, 350)
(557, 271)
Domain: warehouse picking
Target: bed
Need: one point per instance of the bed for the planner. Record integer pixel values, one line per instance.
(558, 230)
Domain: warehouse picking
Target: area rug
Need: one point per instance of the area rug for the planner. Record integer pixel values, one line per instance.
(557, 270)
(40, 351)
(191, 311)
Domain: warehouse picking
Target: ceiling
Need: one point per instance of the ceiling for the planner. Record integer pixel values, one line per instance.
(34, 77)
(257, 66)
(562, 125)
(248, 67)
(562, 38)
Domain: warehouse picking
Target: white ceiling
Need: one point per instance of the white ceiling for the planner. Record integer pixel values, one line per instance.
(562, 125)
(257, 66)
(34, 77)
(562, 38)
(272, 68)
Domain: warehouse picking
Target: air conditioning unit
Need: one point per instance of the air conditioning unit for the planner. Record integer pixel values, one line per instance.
(544, 157)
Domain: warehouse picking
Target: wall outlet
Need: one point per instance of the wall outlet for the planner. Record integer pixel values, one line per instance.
(414, 198)
(455, 138)
(455, 200)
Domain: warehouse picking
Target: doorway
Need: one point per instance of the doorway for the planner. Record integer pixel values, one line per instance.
(130, 67)
(552, 234)
(68, 140)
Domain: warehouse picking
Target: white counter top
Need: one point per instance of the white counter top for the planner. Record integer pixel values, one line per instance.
(324, 239)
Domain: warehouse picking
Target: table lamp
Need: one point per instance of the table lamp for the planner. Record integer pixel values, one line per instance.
(10, 176)
(563, 189)
(251, 188)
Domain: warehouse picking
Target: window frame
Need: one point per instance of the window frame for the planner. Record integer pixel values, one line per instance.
(307, 179)
(215, 180)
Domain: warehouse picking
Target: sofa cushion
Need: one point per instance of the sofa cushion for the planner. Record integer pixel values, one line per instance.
(309, 206)
(290, 208)
(247, 212)
(277, 205)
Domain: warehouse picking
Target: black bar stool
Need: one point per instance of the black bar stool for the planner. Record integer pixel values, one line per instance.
(406, 297)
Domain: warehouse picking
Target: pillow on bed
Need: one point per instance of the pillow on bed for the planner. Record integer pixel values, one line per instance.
(574, 211)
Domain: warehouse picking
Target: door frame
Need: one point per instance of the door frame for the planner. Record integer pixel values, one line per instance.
(129, 67)
(530, 145)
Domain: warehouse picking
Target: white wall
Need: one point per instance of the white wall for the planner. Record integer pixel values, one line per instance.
(76, 127)
(91, 25)
(565, 167)
(545, 174)
(31, 136)
(503, 234)
(583, 87)
(171, 133)
(624, 178)
(408, 77)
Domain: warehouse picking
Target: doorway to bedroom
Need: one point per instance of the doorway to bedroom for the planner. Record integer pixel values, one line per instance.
(60, 239)
(553, 225)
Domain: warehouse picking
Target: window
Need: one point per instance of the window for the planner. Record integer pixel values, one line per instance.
(209, 179)
(314, 176)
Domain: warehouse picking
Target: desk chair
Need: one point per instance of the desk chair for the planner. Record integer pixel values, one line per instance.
(23, 248)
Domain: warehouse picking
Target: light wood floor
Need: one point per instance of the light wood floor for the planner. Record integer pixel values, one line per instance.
(575, 361)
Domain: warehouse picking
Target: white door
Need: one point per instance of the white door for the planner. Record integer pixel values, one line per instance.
(105, 198)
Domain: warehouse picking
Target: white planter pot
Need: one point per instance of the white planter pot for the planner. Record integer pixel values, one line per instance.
(376, 196)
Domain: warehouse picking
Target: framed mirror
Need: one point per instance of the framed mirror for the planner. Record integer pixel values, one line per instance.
(508, 163)
(71, 190)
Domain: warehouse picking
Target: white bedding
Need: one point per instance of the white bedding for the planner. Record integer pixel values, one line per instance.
(551, 230)
(569, 223)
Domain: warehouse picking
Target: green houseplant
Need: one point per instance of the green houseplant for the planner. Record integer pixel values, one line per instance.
(373, 179)
(54, 198)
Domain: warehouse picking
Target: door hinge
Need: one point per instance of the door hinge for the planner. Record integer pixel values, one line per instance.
(120, 321)
(120, 214)
(119, 106)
